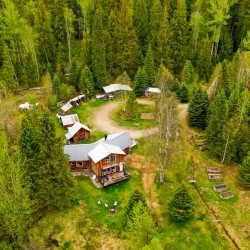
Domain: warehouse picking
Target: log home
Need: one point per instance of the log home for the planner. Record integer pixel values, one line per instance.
(105, 158)
(68, 120)
(77, 100)
(65, 109)
(78, 132)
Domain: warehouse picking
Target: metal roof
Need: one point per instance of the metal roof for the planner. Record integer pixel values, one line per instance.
(79, 152)
(115, 87)
(77, 98)
(66, 107)
(69, 119)
(103, 150)
(153, 90)
(122, 140)
(74, 129)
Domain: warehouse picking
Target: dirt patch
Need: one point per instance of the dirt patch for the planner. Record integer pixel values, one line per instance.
(147, 116)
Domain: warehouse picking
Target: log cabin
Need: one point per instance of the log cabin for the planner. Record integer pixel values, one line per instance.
(68, 120)
(65, 109)
(152, 92)
(77, 100)
(105, 158)
(78, 132)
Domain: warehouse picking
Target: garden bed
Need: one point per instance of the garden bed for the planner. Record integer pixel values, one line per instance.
(220, 188)
(226, 195)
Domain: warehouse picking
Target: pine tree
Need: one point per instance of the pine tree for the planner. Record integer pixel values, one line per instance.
(53, 177)
(141, 81)
(131, 106)
(244, 172)
(224, 79)
(150, 66)
(198, 110)
(178, 40)
(226, 44)
(142, 223)
(56, 85)
(182, 93)
(140, 18)
(216, 122)
(181, 206)
(16, 208)
(162, 53)
(86, 83)
(98, 54)
(187, 74)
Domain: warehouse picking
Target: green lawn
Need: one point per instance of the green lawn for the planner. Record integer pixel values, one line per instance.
(138, 122)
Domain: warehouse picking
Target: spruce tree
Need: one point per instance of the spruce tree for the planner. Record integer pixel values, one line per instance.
(182, 93)
(216, 122)
(150, 66)
(56, 84)
(131, 106)
(98, 54)
(198, 110)
(244, 172)
(181, 206)
(187, 74)
(224, 79)
(141, 81)
(86, 83)
(53, 177)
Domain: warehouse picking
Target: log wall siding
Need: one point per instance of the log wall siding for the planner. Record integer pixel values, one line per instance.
(73, 167)
(81, 135)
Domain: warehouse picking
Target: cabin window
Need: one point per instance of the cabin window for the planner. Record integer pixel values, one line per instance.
(79, 164)
(107, 160)
(104, 172)
(113, 158)
(113, 169)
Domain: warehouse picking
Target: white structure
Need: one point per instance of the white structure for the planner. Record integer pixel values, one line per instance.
(68, 120)
(27, 105)
(116, 87)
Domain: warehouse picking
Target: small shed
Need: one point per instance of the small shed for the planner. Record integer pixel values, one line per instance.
(151, 92)
(78, 132)
(78, 100)
(65, 109)
(69, 120)
(116, 87)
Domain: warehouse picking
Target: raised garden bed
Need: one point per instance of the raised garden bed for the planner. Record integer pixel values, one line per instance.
(220, 188)
(214, 177)
(213, 170)
(226, 195)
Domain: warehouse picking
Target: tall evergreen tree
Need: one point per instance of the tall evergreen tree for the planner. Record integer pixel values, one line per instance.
(244, 172)
(181, 206)
(16, 207)
(141, 82)
(216, 122)
(98, 54)
(140, 17)
(56, 85)
(53, 177)
(224, 79)
(187, 74)
(178, 40)
(198, 110)
(86, 83)
(131, 106)
(150, 66)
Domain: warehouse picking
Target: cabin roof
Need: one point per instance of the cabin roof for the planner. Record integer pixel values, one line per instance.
(103, 150)
(115, 87)
(80, 152)
(79, 97)
(69, 119)
(153, 90)
(66, 107)
(74, 129)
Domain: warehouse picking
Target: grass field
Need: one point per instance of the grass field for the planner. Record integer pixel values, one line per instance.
(137, 122)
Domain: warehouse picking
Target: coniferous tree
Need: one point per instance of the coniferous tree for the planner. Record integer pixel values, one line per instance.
(244, 172)
(150, 66)
(224, 79)
(216, 122)
(142, 223)
(98, 54)
(178, 40)
(182, 93)
(141, 82)
(86, 83)
(56, 83)
(131, 106)
(187, 74)
(53, 177)
(181, 206)
(198, 110)
(16, 208)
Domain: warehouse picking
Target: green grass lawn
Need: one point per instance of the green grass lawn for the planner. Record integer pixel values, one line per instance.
(138, 122)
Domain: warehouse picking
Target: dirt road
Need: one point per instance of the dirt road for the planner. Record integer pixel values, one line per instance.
(101, 120)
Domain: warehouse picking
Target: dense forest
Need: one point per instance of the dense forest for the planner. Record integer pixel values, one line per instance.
(78, 46)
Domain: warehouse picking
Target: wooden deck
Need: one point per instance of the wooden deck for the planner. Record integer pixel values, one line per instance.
(114, 178)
